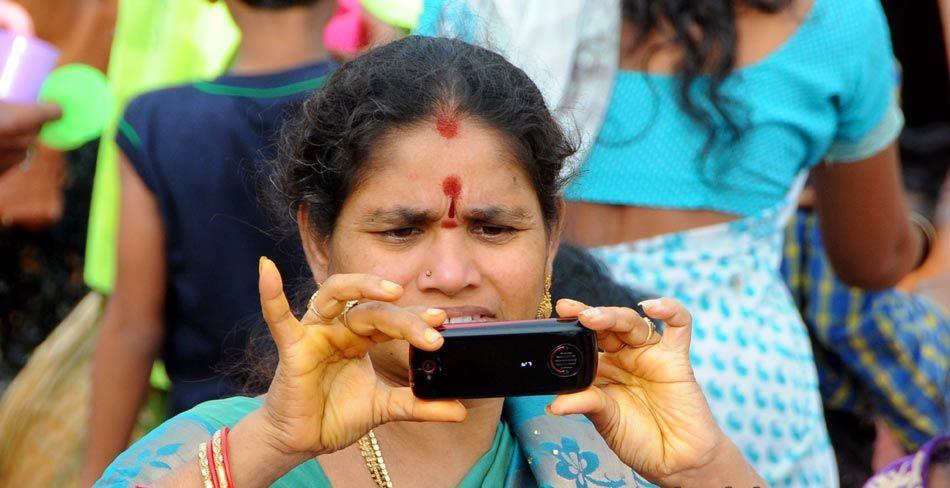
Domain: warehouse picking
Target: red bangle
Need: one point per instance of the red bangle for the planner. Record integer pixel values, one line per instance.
(224, 453)
(214, 472)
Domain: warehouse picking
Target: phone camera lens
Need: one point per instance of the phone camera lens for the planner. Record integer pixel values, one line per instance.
(429, 366)
(565, 360)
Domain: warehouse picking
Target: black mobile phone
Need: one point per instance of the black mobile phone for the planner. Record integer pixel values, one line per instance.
(500, 359)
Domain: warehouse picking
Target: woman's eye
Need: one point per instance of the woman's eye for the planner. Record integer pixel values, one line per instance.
(493, 230)
(402, 233)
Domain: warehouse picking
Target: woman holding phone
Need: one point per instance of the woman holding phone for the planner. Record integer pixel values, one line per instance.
(424, 180)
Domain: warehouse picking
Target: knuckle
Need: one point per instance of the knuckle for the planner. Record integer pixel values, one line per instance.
(330, 284)
(370, 307)
(282, 316)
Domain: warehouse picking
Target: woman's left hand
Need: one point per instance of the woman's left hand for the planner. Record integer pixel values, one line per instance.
(645, 401)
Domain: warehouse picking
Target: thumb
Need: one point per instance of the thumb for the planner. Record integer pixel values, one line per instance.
(602, 410)
(399, 404)
(284, 327)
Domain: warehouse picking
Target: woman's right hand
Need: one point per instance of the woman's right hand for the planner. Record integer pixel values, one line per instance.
(325, 394)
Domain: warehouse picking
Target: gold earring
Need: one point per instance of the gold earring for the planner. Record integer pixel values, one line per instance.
(545, 307)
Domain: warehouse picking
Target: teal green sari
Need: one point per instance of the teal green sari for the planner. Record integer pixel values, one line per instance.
(530, 449)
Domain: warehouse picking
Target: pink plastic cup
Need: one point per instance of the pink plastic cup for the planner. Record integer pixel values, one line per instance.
(25, 62)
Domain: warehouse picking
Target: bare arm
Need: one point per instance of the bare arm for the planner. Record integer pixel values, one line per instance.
(132, 329)
(863, 215)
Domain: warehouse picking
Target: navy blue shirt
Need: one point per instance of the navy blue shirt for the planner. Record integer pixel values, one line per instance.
(199, 149)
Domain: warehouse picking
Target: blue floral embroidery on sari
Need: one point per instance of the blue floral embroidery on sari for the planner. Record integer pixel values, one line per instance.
(147, 457)
(574, 464)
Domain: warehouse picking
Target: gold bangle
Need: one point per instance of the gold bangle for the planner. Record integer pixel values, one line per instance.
(203, 465)
(218, 459)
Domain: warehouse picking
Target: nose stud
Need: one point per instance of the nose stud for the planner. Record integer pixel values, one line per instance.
(428, 273)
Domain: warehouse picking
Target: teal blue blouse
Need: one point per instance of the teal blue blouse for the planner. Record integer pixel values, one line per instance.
(828, 93)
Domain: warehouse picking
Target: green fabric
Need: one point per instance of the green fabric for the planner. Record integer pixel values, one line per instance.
(489, 471)
(246, 92)
(492, 468)
(399, 13)
(156, 44)
(129, 132)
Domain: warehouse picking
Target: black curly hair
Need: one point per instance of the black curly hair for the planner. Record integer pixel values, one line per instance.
(327, 147)
(706, 32)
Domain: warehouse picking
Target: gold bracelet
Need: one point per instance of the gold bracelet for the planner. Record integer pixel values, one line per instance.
(218, 459)
(203, 465)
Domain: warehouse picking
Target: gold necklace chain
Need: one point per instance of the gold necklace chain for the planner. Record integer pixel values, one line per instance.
(373, 458)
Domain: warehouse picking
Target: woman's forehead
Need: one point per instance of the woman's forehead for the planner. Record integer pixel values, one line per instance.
(476, 162)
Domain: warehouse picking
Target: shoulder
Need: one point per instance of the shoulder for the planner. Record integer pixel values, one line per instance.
(167, 103)
(850, 21)
(172, 444)
(161, 97)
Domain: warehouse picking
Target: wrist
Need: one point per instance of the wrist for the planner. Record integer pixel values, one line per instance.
(725, 467)
(256, 457)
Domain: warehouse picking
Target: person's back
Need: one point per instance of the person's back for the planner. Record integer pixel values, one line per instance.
(198, 149)
(192, 224)
(697, 168)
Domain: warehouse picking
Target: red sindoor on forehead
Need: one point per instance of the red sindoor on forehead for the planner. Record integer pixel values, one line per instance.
(452, 188)
(447, 125)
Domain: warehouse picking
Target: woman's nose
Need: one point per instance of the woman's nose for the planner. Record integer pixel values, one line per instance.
(449, 270)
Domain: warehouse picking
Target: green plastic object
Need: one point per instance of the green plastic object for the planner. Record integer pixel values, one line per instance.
(399, 13)
(84, 95)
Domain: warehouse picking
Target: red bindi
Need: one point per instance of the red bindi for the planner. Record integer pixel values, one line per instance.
(452, 187)
(447, 125)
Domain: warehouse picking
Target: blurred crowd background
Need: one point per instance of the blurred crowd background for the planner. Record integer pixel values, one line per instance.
(107, 319)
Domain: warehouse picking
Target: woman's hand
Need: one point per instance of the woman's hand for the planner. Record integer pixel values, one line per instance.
(645, 401)
(325, 394)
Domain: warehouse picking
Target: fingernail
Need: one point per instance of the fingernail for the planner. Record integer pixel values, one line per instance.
(260, 264)
(390, 286)
(432, 336)
(649, 304)
(548, 411)
(568, 301)
(591, 312)
(435, 312)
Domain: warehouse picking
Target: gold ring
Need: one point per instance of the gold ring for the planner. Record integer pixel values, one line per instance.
(346, 308)
(650, 333)
(313, 307)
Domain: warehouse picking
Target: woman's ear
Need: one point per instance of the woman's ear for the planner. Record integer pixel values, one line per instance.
(554, 239)
(315, 249)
